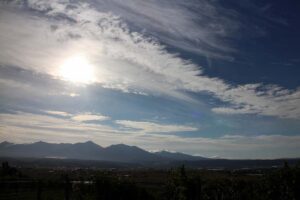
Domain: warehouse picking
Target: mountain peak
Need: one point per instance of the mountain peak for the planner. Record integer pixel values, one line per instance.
(5, 143)
(123, 146)
(178, 155)
(89, 142)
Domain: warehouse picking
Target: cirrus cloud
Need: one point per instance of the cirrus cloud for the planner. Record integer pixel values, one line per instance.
(89, 117)
(151, 127)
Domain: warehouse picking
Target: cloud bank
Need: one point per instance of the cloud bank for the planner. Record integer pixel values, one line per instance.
(150, 127)
(28, 127)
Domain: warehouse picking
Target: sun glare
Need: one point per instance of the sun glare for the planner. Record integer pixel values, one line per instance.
(77, 69)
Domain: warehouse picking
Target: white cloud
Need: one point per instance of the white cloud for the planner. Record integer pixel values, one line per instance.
(27, 126)
(89, 117)
(128, 61)
(82, 117)
(150, 127)
(270, 100)
(60, 113)
(191, 25)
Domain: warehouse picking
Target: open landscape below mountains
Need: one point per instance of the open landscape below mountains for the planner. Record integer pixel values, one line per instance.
(91, 155)
(87, 171)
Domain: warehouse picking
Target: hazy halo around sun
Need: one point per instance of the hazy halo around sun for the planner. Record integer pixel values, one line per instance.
(77, 69)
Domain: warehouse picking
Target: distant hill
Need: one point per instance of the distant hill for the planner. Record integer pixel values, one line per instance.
(90, 151)
(179, 156)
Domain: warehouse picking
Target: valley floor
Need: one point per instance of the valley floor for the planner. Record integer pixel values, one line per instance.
(122, 184)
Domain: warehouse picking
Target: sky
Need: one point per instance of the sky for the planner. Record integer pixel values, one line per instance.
(204, 77)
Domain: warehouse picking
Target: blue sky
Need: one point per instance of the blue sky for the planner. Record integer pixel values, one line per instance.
(211, 78)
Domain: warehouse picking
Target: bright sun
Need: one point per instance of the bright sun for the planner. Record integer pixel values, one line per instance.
(77, 69)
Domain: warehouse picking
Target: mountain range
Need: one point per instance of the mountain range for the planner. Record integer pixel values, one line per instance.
(91, 151)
